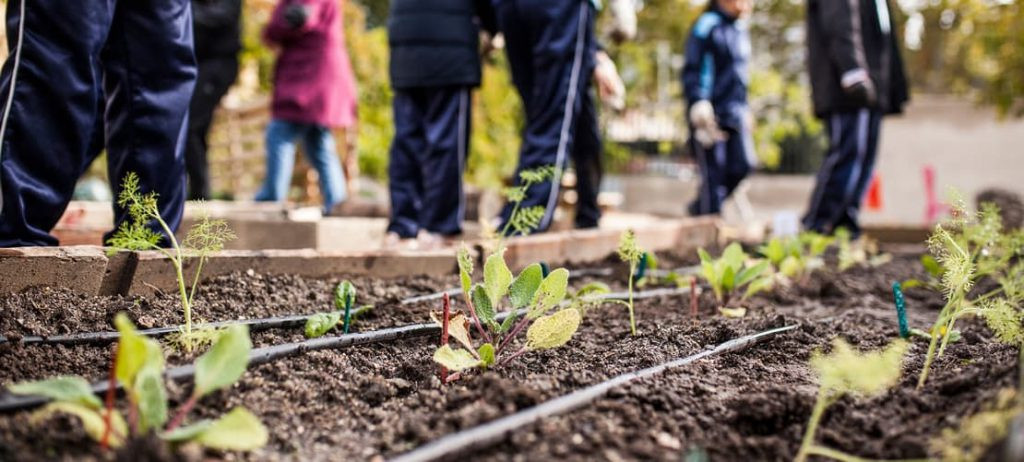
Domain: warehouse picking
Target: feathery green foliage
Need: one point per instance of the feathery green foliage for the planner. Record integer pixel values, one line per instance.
(139, 366)
(846, 371)
(733, 271)
(206, 237)
(976, 434)
(531, 290)
(524, 221)
(631, 254)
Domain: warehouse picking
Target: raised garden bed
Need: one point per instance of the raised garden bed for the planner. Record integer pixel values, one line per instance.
(382, 400)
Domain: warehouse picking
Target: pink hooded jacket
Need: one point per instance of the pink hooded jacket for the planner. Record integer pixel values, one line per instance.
(313, 81)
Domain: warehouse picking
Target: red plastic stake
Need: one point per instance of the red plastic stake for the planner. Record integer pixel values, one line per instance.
(874, 196)
(444, 332)
(693, 298)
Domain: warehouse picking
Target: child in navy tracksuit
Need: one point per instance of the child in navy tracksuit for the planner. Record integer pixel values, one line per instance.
(715, 79)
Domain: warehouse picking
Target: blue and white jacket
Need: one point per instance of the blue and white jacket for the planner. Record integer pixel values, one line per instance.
(717, 56)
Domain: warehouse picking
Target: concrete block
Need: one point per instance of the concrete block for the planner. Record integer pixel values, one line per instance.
(80, 268)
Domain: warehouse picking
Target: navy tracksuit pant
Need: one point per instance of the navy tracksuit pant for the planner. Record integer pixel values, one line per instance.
(722, 166)
(428, 156)
(551, 47)
(846, 171)
(83, 74)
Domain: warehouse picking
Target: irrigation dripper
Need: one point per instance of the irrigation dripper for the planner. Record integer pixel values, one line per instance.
(901, 310)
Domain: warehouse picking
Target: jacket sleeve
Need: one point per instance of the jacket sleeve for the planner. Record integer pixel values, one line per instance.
(278, 31)
(699, 66)
(488, 19)
(212, 14)
(840, 22)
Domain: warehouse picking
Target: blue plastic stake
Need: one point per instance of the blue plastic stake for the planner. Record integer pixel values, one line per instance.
(901, 310)
(544, 269)
(641, 268)
(348, 312)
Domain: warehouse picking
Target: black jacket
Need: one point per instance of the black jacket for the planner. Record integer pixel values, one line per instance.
(844, 35)
(217, 28)
(436, 42)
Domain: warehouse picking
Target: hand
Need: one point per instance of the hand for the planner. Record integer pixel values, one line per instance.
(858, 86)
(296, 15)
(706, 130)
(609, 85)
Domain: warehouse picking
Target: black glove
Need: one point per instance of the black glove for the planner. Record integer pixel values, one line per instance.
(862, 93)
(296, 15)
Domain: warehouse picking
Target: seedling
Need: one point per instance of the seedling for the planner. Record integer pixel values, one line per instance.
(531, 291)
(589, 296)
(862, 252)
(796, 257)
(631, 254)
(846, 371)
(977, 434)
(732, 272)
(139, 365)
(523, 221)
(206, 237)
(343, 314)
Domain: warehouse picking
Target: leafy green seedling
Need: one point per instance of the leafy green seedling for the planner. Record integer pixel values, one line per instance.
(589, 296)
(205, 238)
(846, 371)
(531, 291)
(523, 221)
(343, 314)
(631, 254)
(795, 257)
(139, 366)
(732, 272)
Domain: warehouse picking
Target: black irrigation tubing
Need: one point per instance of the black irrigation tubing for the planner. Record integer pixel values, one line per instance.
(488, 433)
(10, 402)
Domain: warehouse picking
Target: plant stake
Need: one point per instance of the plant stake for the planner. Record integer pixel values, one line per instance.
(901, 310)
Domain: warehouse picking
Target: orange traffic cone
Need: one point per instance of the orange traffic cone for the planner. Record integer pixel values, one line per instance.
(874, 199)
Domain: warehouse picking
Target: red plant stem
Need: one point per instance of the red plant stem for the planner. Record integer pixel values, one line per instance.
(447, 309)
(454, 377)
(111, 388)
(693, 298)
(179, 417)
(512, 334)
(476, 320)
(513, 356)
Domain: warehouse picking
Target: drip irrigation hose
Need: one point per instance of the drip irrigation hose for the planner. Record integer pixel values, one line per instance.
(488, 433)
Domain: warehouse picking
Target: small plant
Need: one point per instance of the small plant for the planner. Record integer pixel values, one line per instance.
(589, 296)
(530, 290)
(139, 365)
(976, 434)
(732, 272)
(795, 257)
(862, 252)
(343, 314)
(524, 221)
(206, 237)
(846, 371)
(631, 254)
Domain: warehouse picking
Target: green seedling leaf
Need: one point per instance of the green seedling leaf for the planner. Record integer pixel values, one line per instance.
(790, 267)
(497, 278)
(458, 327)
(550, 293)
(225, 362)
(321, 323)
(525, 286)
(344, 295)
(151, 397)
(734, 256)
(728, 279)
(750, 273)
(912, 283)
(237, 430)
(733, 312)
(508, 322)
(61, 389)
(91, 418)
(486, 353)
(758, 285)
(465, 268)
(593, 289)
(554, 330)
(134, 352)
(455, 360)
(482, 303)
(186, 432)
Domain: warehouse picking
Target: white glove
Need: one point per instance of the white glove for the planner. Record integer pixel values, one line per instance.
(609, 85)
(706, 130)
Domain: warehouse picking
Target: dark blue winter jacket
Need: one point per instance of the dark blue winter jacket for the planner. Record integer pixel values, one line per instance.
(717, 53)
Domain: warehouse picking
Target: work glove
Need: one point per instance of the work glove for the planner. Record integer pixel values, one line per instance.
(705, 127)
(858, 86)
(296, 15)
(609, 85)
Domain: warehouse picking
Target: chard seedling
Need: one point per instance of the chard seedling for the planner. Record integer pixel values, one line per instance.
(846, 371)
(205, 238)
(732, 272)
(139, 365)
(631, 254)
(531, 291)
(523, 221)
(795, 257)
(343, 314)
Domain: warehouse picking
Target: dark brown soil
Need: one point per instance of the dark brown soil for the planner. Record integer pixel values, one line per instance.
(380, 400)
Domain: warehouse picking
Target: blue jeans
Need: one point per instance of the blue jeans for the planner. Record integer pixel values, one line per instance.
(318, 144)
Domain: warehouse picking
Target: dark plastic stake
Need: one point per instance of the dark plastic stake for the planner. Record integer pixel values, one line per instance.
(545, 270)
(348, 312)
(641, 268)
(901, 310)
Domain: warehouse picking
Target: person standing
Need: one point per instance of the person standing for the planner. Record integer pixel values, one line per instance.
(857, 77)
(217, 25)
(314, 91)
(435, 64)
(715, 79)
(79, 72)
